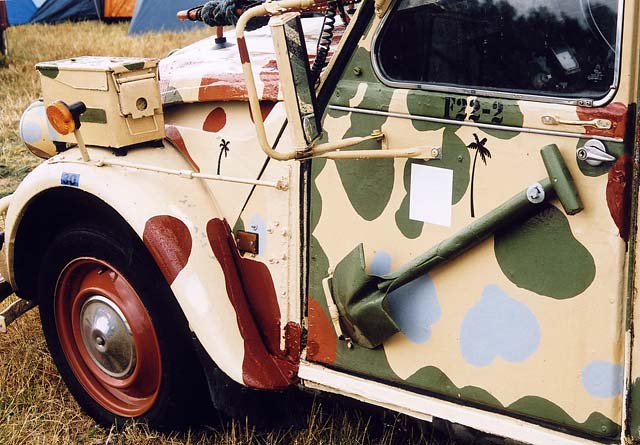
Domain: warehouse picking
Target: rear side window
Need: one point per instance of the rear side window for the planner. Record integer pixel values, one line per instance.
(560, 48)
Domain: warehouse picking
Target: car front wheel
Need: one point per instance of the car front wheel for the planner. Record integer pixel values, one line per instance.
(116, 332)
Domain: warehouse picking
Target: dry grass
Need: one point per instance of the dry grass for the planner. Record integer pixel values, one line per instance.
(35, 406)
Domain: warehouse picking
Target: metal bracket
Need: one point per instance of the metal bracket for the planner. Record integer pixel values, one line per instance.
(333, 309)
(14, 311)
(436, 153)
(247, 241)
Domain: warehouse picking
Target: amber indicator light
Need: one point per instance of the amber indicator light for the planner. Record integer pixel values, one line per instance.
(60, 118)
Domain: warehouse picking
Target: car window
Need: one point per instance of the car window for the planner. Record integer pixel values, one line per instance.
(564, 48)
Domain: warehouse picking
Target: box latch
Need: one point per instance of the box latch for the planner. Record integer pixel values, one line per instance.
(139, 95)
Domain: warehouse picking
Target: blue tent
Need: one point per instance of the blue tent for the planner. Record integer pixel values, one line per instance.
(53, 11)
(160, 15)
(21, 11)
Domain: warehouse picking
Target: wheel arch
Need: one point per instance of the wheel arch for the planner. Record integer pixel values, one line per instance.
(46, 215)
(139, 205)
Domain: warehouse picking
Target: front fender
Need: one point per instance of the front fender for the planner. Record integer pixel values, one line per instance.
(170, 214)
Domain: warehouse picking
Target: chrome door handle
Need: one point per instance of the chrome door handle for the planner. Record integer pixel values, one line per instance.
(600, 124)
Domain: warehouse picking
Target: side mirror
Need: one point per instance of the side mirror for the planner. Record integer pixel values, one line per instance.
(295, 78)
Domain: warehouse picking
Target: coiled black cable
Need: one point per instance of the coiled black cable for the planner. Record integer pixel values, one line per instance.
(324, 42)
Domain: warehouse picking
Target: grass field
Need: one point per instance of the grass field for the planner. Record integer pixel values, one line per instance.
(35, 407)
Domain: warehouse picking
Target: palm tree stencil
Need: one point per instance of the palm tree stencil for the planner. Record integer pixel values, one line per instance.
(484, 153)
(224, 149)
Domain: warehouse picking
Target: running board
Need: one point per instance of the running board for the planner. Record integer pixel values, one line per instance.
(426, 407)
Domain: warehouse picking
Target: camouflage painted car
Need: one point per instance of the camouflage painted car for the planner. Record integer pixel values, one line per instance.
(445, 224)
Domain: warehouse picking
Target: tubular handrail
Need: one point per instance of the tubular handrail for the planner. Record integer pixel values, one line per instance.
(268, 8)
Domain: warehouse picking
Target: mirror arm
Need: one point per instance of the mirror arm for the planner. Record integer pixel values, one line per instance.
(410, 153)
(332, 150)
(377, 135)
(268, 8)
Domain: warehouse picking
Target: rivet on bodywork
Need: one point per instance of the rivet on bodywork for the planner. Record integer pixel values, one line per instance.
(282, 184)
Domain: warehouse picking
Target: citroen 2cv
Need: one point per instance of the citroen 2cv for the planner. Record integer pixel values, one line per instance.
(438, 217)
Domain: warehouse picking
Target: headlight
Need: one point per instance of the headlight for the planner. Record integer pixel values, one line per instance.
(36, 132)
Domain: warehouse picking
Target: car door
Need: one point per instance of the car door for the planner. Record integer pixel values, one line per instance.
(515, 308)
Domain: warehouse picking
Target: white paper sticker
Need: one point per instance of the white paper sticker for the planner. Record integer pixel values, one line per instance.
(431, 194)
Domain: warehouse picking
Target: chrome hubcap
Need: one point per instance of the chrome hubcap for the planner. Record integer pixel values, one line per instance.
(107, 337)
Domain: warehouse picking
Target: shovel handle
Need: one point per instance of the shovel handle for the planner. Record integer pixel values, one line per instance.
(561, 179)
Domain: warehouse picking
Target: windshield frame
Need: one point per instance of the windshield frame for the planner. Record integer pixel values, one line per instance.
(581, 102)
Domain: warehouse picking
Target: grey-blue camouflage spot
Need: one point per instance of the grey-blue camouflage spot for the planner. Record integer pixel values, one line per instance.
(603, 379)
(498, 325)
(380, 264)
(414, 307)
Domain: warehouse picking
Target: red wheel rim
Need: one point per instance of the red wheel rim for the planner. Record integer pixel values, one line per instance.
(107, 337)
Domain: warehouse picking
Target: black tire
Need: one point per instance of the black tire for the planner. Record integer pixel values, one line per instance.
(73, 285)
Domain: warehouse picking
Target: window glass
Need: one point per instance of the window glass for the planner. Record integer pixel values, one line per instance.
(562, 48)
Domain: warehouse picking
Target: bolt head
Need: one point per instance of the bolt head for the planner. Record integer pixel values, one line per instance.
(535, 194)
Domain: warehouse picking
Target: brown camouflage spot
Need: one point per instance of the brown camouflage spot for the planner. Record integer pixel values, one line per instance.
(222, 88)
(242, 49)
(215, 121)
(270, 78)
(261, 297)
(292, 339)
(615, 112)
(321, 344)
(253, 297)
(173, 135)
(618, 194)
(169, 242)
